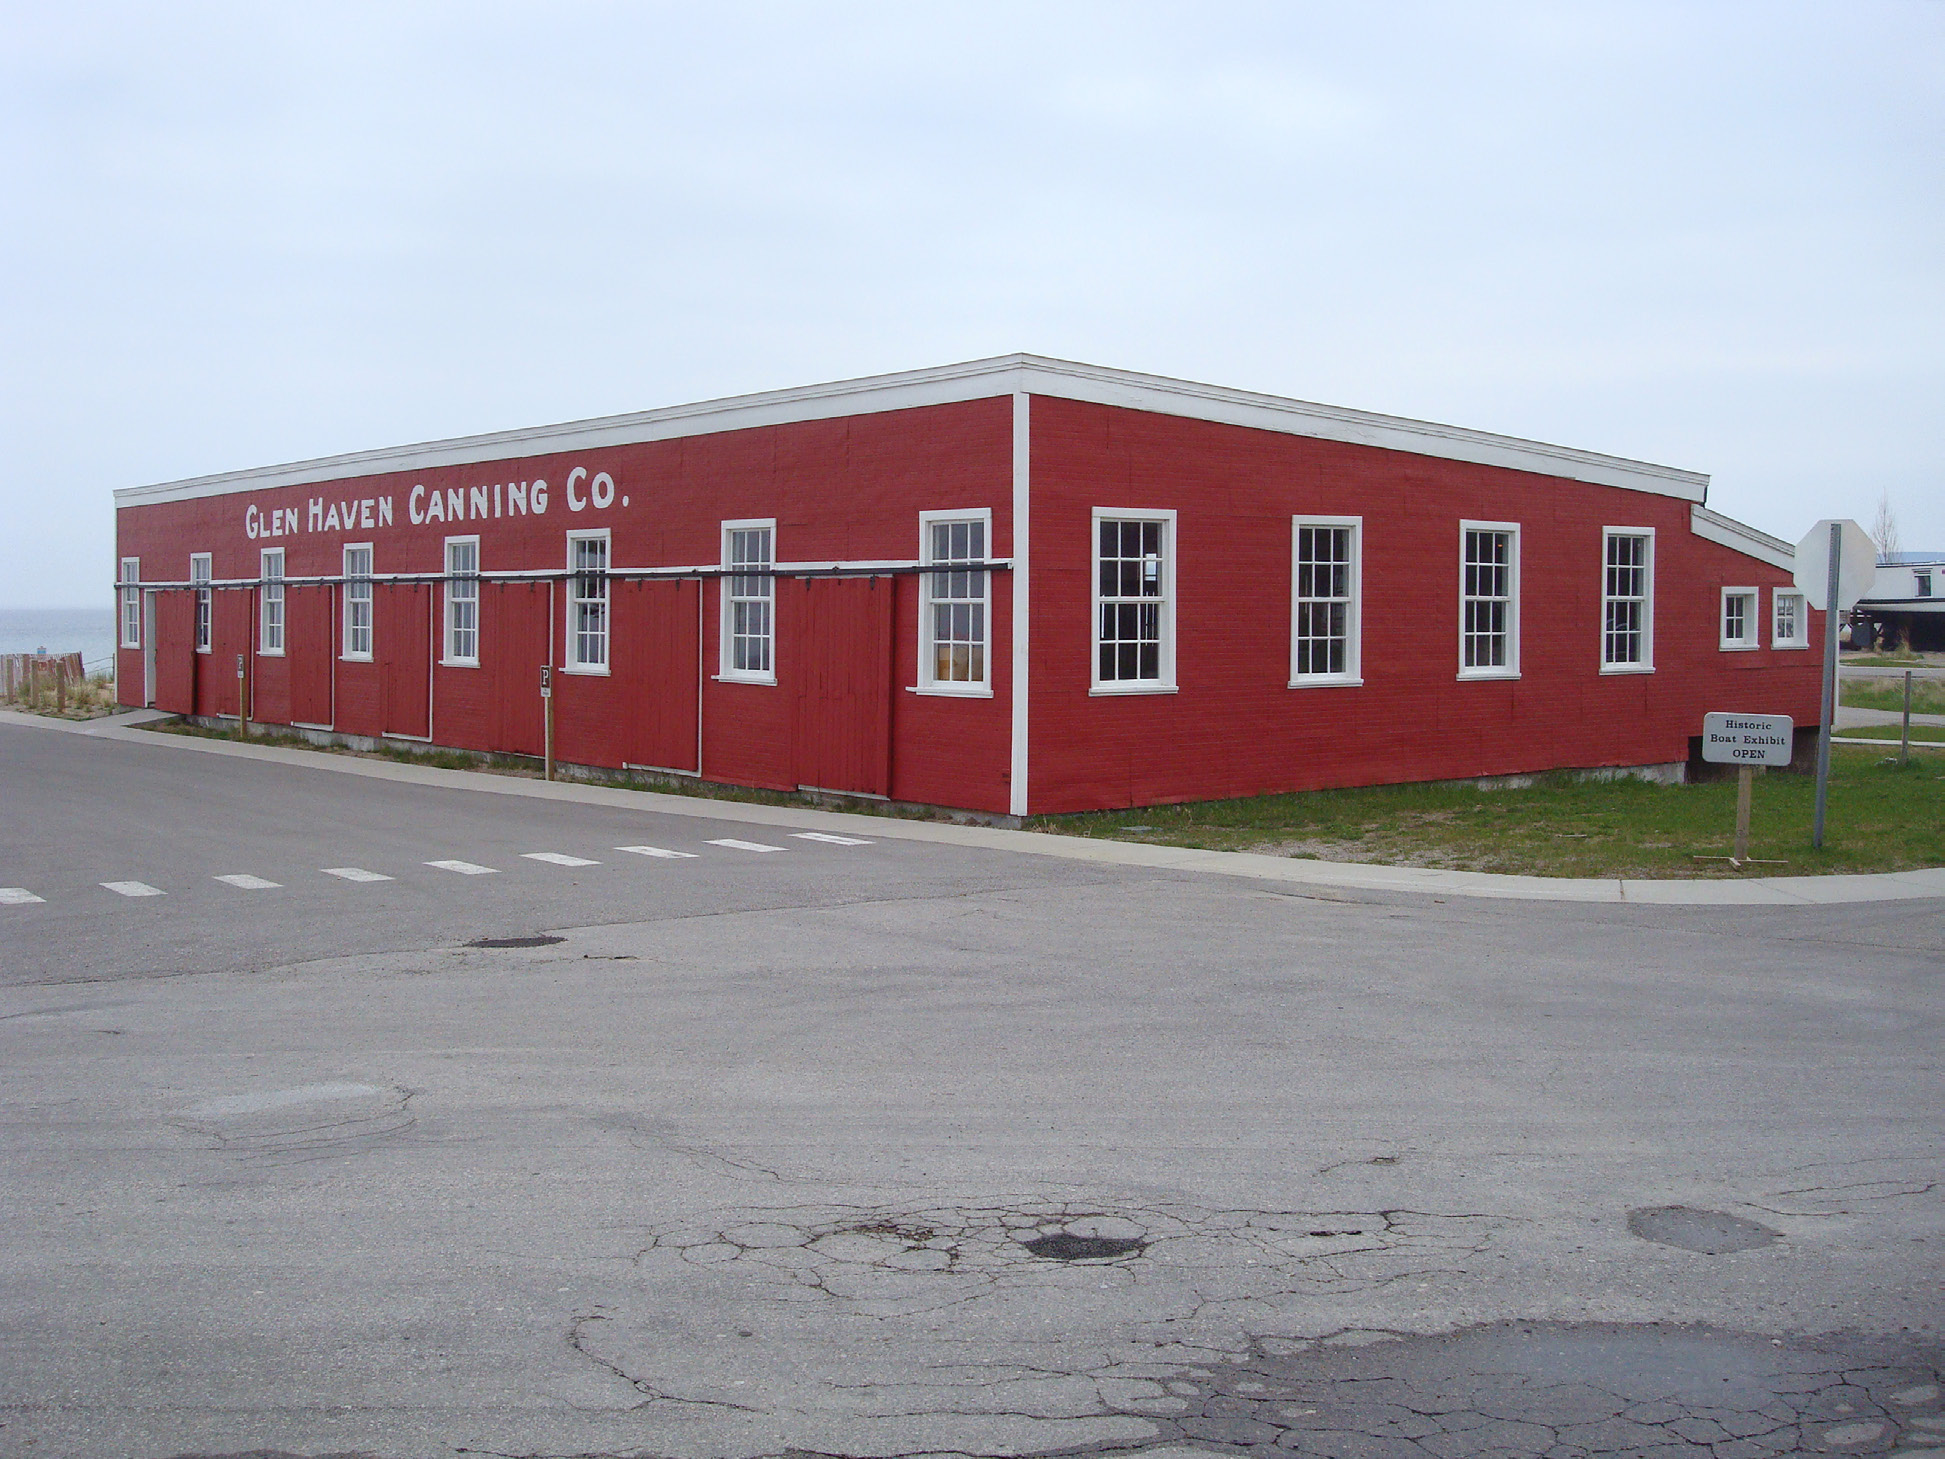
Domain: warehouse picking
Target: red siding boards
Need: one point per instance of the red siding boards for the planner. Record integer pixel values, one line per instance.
(849, 488)
(1235, 728)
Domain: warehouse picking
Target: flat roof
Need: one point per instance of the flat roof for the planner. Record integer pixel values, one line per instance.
(947, 384)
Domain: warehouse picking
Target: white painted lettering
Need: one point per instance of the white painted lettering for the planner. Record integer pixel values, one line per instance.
(364, 512)
(250, 523)
(496, 500)
(539, 490)
(435, 508)
(574, 503)
(476, 501)
(384, 511)
(517, 498)
(331, 522)
(413, 511)
(601, 491)
(317, 514)
(455, 504)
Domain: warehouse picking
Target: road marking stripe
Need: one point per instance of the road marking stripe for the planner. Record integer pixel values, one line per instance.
(829, 839)
(555, 858)
(735, 845)
(17, 897)
(355, 873)
(464, 868)
(658, 851)
(134, 889)
(249, 883)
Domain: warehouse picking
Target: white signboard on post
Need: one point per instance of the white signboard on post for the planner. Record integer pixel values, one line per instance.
(1748, 739)
(1856, 563)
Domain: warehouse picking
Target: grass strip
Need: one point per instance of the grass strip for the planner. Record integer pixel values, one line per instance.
(1882, 817)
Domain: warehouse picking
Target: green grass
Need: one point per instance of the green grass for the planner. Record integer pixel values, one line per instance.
(1882, 817)
(1905, 660)
(1927, 695)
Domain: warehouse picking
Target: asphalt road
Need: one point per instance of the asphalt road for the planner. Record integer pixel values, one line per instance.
(904, 1148)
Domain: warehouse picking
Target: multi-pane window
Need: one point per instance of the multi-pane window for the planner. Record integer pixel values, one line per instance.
(1788, 623)
(1738, 618)
(462, 600)
(270, 600)
(587, 601)
(1627, 604)
(1324, 601)
(131, 603)
(749, 600)
(1133, 580)
(1923, 580)
(954, 613)
(1488, 599)
(357, 602)
(199, 573)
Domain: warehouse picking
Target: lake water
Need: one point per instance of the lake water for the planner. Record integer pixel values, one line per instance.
(89, 631)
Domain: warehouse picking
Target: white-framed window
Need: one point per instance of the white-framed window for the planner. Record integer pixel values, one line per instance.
(1738, 618)
(1922, 583)
(1134, 601)
(357, 601)
(200, 572)
(587, 602)
(1627, 600)
(1489, 600)
(131, 603)
(1326, 608)
(954, 620)
(749, 601)
(270, 602)
(1789, 621)
(462, 601)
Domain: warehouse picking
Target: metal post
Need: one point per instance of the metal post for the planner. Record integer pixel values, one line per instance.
(1829, 682)
(61, 686)
(1745, 780)
(547, 703)
(1904, 746)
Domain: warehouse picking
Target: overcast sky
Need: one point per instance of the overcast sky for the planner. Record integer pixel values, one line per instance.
(1706, 235)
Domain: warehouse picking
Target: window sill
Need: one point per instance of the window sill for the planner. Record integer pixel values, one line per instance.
(1327, 681)
(270, 653)
(769, 679)
(459, 663)
(203, 648)
(941, 691)
(1111, 690)
(354, 658)
(593, 671)
(1467, 675)
(1791, 644)
(1627, 668)
(1738, 648)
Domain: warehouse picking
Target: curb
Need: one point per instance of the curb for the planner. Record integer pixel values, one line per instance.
(1773, 891)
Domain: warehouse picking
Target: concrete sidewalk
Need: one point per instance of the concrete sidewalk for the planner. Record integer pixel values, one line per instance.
(1795, 891)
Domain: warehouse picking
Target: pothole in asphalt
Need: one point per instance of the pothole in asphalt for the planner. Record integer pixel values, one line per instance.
(539, 939)
(1712, 1233)
(1090, 1238)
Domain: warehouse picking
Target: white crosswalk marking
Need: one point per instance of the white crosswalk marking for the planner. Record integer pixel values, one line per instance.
(355, 873)
(555, 858)
(17, 897)
(734, 845)
(659, 851)
(829, 839)
(134, 889)
(249, 883)
(464, 868)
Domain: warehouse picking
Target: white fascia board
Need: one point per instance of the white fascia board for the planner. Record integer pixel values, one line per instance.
(1002, 375)
(1742, 538)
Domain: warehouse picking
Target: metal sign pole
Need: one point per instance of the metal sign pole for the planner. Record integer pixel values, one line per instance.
(1829, 684)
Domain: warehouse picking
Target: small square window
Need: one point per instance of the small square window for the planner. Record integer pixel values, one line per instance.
(1738, 618)
(1789, 621)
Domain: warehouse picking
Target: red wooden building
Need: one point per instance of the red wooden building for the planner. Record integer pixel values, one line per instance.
(1014, 586)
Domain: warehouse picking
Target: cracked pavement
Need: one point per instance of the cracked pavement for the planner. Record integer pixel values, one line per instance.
(932, 1150)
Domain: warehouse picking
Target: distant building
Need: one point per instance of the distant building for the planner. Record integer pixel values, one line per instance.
(1906, 604)
(1016, 586)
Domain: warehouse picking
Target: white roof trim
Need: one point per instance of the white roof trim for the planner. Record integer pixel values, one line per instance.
(1003, 375)
(1742, 538)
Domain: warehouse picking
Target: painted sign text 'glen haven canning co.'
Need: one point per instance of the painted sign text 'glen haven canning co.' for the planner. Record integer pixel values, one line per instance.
(427, 504)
